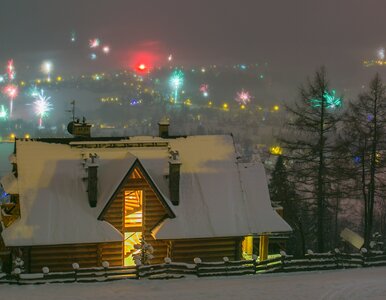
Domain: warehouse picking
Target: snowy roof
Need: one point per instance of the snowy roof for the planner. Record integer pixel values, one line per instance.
(218, 196)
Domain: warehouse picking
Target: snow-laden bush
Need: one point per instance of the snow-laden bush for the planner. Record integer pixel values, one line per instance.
(167, 260)
(226, 259)
(45, 270)
(144, 252)
(17, 271)
(105, 264)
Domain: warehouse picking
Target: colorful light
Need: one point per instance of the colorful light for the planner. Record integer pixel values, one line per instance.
(276, 107)
(47, 68)
(11, 70)
(176, 81)
(141, 67)
(3, 113)
(243, 97)
(170, 57)
(73, 36)
(276, 150)
(93, 56)
(381, 53)
(94, 43)
(2, 78)
(330, 100)
(11, 91)
(106, 49)
(42, 106)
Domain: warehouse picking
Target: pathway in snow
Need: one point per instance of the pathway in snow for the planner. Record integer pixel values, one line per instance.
(367, 283)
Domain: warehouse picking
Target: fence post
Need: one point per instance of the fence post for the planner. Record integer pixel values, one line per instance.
(197, 261)
(45, 271)
(226, 262)
(167, 261)
(138, 265)
(337, 258)
(283, 255)
(75, 266)
(364, 257)
(17, 272)
(105, 265)
(254, 258)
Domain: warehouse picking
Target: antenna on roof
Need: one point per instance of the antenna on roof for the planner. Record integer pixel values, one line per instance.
(72, 110)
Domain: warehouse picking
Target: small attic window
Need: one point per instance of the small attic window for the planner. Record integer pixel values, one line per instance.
(135, 174)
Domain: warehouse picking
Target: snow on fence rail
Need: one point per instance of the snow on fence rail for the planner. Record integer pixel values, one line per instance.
(283, 263)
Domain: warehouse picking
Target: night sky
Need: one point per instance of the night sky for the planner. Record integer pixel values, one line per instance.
(295, 36)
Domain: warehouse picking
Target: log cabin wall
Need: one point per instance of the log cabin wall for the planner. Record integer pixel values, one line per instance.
(61, 257)
(153, 213)
(208, 250)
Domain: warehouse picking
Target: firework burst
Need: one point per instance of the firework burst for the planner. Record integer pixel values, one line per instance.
(42, 106)
(243, 97)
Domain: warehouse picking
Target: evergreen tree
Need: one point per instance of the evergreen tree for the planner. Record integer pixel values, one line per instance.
(282, 192)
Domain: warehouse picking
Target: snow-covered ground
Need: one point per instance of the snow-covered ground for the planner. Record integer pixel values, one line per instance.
(341, 284)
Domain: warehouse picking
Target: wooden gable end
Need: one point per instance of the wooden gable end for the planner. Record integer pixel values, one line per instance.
(154, 208)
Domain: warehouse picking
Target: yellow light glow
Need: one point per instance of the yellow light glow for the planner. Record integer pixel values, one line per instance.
(188, 102)
(12, 136)
(38, 81)
(276, 108)
(225, 106)
(59, 78)
(210, 103)
(22, 83)
(26, 136)
(242, 106)
(276, 150)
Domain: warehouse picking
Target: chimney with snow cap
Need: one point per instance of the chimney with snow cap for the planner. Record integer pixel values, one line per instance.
(174, 177)
(92, 182)
(163, 128)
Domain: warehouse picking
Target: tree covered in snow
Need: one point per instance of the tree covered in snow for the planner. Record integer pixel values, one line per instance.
(144, 253)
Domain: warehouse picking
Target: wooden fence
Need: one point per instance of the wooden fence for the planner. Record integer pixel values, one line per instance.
(283, 263)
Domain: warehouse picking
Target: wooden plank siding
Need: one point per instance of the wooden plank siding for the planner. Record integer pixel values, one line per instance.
(208, 250)
(153, 213)
(61, 257)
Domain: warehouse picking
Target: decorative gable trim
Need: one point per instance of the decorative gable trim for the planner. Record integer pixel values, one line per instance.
(137, 164)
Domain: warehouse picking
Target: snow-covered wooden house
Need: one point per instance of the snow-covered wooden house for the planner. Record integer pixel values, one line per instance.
(91, 200)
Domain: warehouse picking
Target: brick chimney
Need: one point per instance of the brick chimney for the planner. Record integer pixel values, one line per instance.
(163, 129)
(92, 181)
(174, 177)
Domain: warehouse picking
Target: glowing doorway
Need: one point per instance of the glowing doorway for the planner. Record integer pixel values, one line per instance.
(133, 224)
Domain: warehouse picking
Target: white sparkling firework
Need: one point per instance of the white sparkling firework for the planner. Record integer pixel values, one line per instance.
(381, 53)
(42, 106)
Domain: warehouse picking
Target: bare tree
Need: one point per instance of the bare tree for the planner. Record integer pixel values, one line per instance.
(363, 143)
(309, 144)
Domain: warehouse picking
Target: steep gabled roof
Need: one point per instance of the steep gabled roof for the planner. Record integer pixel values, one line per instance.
(218, 196)
(161, 197)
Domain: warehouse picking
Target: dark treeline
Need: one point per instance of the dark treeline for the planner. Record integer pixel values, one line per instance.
(331, 174)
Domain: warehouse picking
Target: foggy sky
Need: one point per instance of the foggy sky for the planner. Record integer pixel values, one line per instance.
(296, 36)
